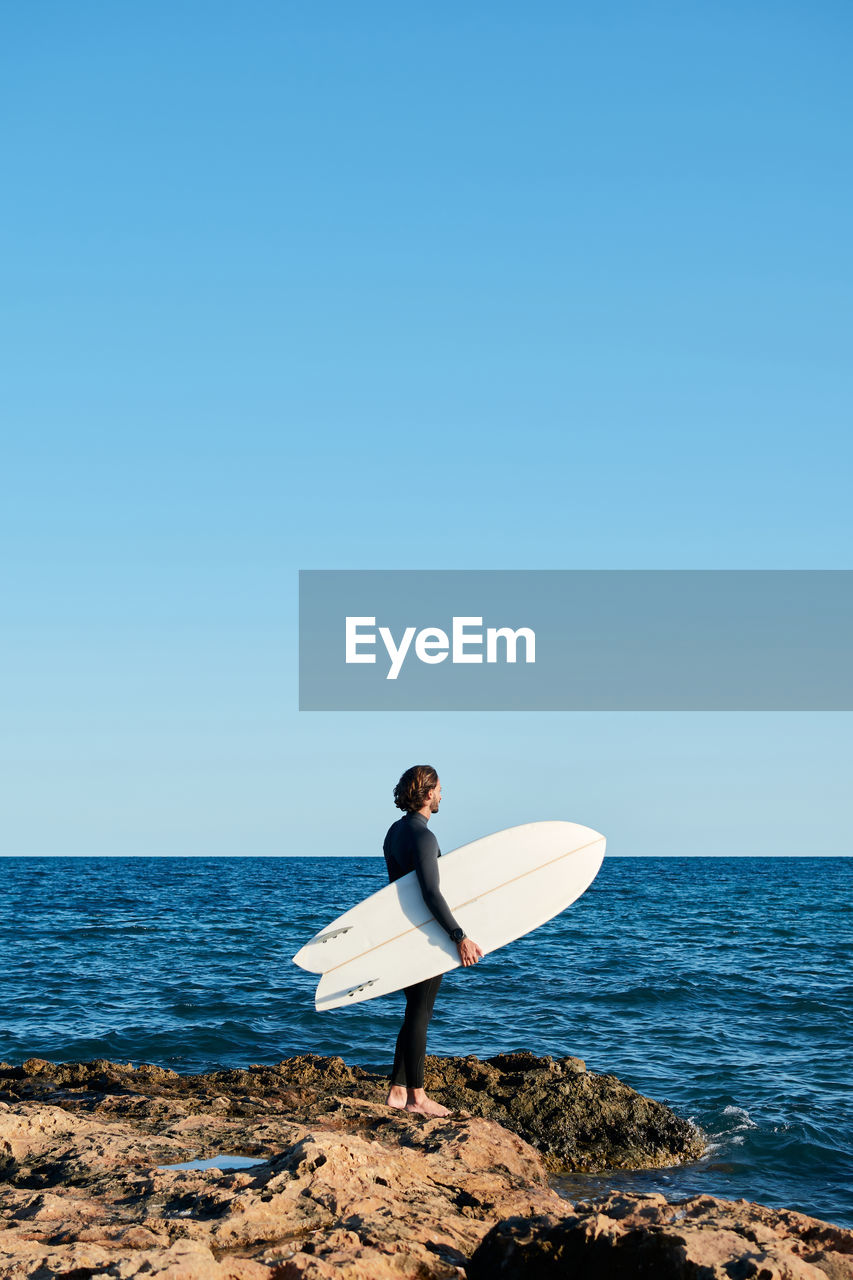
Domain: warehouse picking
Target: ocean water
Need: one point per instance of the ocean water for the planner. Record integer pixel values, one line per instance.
(721, 986)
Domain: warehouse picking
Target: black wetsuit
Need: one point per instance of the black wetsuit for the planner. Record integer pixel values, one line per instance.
(411, 846)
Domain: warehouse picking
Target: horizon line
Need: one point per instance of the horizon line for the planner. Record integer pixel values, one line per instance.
(378, 856)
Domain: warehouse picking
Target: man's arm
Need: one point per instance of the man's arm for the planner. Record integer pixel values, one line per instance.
(426, 869)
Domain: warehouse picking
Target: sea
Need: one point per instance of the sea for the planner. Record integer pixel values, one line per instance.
(720, 986)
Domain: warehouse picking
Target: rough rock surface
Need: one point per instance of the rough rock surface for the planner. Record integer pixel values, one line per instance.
(625, 1237)
(342, 1185)
(577, 1120)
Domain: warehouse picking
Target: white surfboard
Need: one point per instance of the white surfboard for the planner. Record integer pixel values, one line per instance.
(498, 888)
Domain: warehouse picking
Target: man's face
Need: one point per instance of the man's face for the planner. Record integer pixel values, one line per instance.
(435, 798)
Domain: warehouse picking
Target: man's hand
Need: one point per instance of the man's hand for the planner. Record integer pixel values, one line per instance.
(469, 952)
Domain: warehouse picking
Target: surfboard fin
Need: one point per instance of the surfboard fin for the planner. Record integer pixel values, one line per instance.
(354, 991)
(333, 933)
(311, 958)
(334, 999)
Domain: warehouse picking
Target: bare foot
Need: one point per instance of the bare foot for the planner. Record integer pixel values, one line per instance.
(426, 1107)
(396, 1096)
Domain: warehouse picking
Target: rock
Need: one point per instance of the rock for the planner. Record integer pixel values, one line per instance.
(626, 1237)
(579, 1121)
(343, 1185)
(363, 1190)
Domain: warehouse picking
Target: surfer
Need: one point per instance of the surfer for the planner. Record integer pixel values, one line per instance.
(411, 846)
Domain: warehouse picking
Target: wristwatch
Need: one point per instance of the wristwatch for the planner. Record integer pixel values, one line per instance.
(457, 935)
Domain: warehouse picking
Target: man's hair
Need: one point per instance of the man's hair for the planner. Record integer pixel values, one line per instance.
(411, 791)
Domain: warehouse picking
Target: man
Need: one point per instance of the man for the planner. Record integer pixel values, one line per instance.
(411, 846)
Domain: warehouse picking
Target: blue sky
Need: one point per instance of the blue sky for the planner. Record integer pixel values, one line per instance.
(294, 286)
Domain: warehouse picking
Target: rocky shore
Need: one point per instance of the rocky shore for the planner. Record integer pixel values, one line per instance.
(342, 1185)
